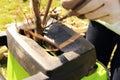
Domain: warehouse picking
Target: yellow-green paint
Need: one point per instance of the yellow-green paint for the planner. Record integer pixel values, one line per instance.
(100, 74)
(14, 70)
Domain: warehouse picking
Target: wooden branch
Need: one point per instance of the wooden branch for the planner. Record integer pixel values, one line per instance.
(62, 45)
(47, 11)
(40, 37)
(36, 13)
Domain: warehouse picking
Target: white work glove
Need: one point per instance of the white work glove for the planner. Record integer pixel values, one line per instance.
(104, 10)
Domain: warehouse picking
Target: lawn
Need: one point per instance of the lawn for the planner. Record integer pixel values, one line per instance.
(11, 10)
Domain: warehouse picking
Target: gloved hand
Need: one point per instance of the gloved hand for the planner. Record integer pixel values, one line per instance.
(105, 10)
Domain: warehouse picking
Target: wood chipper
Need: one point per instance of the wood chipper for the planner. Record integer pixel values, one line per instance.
(59, 53)
(30, 61)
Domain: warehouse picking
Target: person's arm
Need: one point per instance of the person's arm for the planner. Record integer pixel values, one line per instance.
(70, 4)
(105, 10)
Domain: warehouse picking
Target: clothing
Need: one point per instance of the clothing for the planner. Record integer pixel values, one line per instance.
(113, 27)
(104, 41)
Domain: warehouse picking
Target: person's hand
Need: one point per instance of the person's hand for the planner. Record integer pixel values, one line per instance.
(105, 10)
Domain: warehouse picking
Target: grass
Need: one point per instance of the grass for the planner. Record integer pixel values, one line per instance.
(12, 10)
(55, 3)
(9, 10)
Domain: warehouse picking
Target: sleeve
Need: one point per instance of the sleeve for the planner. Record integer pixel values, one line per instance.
(69, 4)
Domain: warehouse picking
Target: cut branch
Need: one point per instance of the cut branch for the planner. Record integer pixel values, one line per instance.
(46, 12)
(36, 13)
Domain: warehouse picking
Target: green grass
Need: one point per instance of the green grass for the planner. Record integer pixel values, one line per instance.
(9, 10)
(55, 3)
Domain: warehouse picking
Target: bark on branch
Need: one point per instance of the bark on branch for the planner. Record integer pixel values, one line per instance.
(36, 13)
